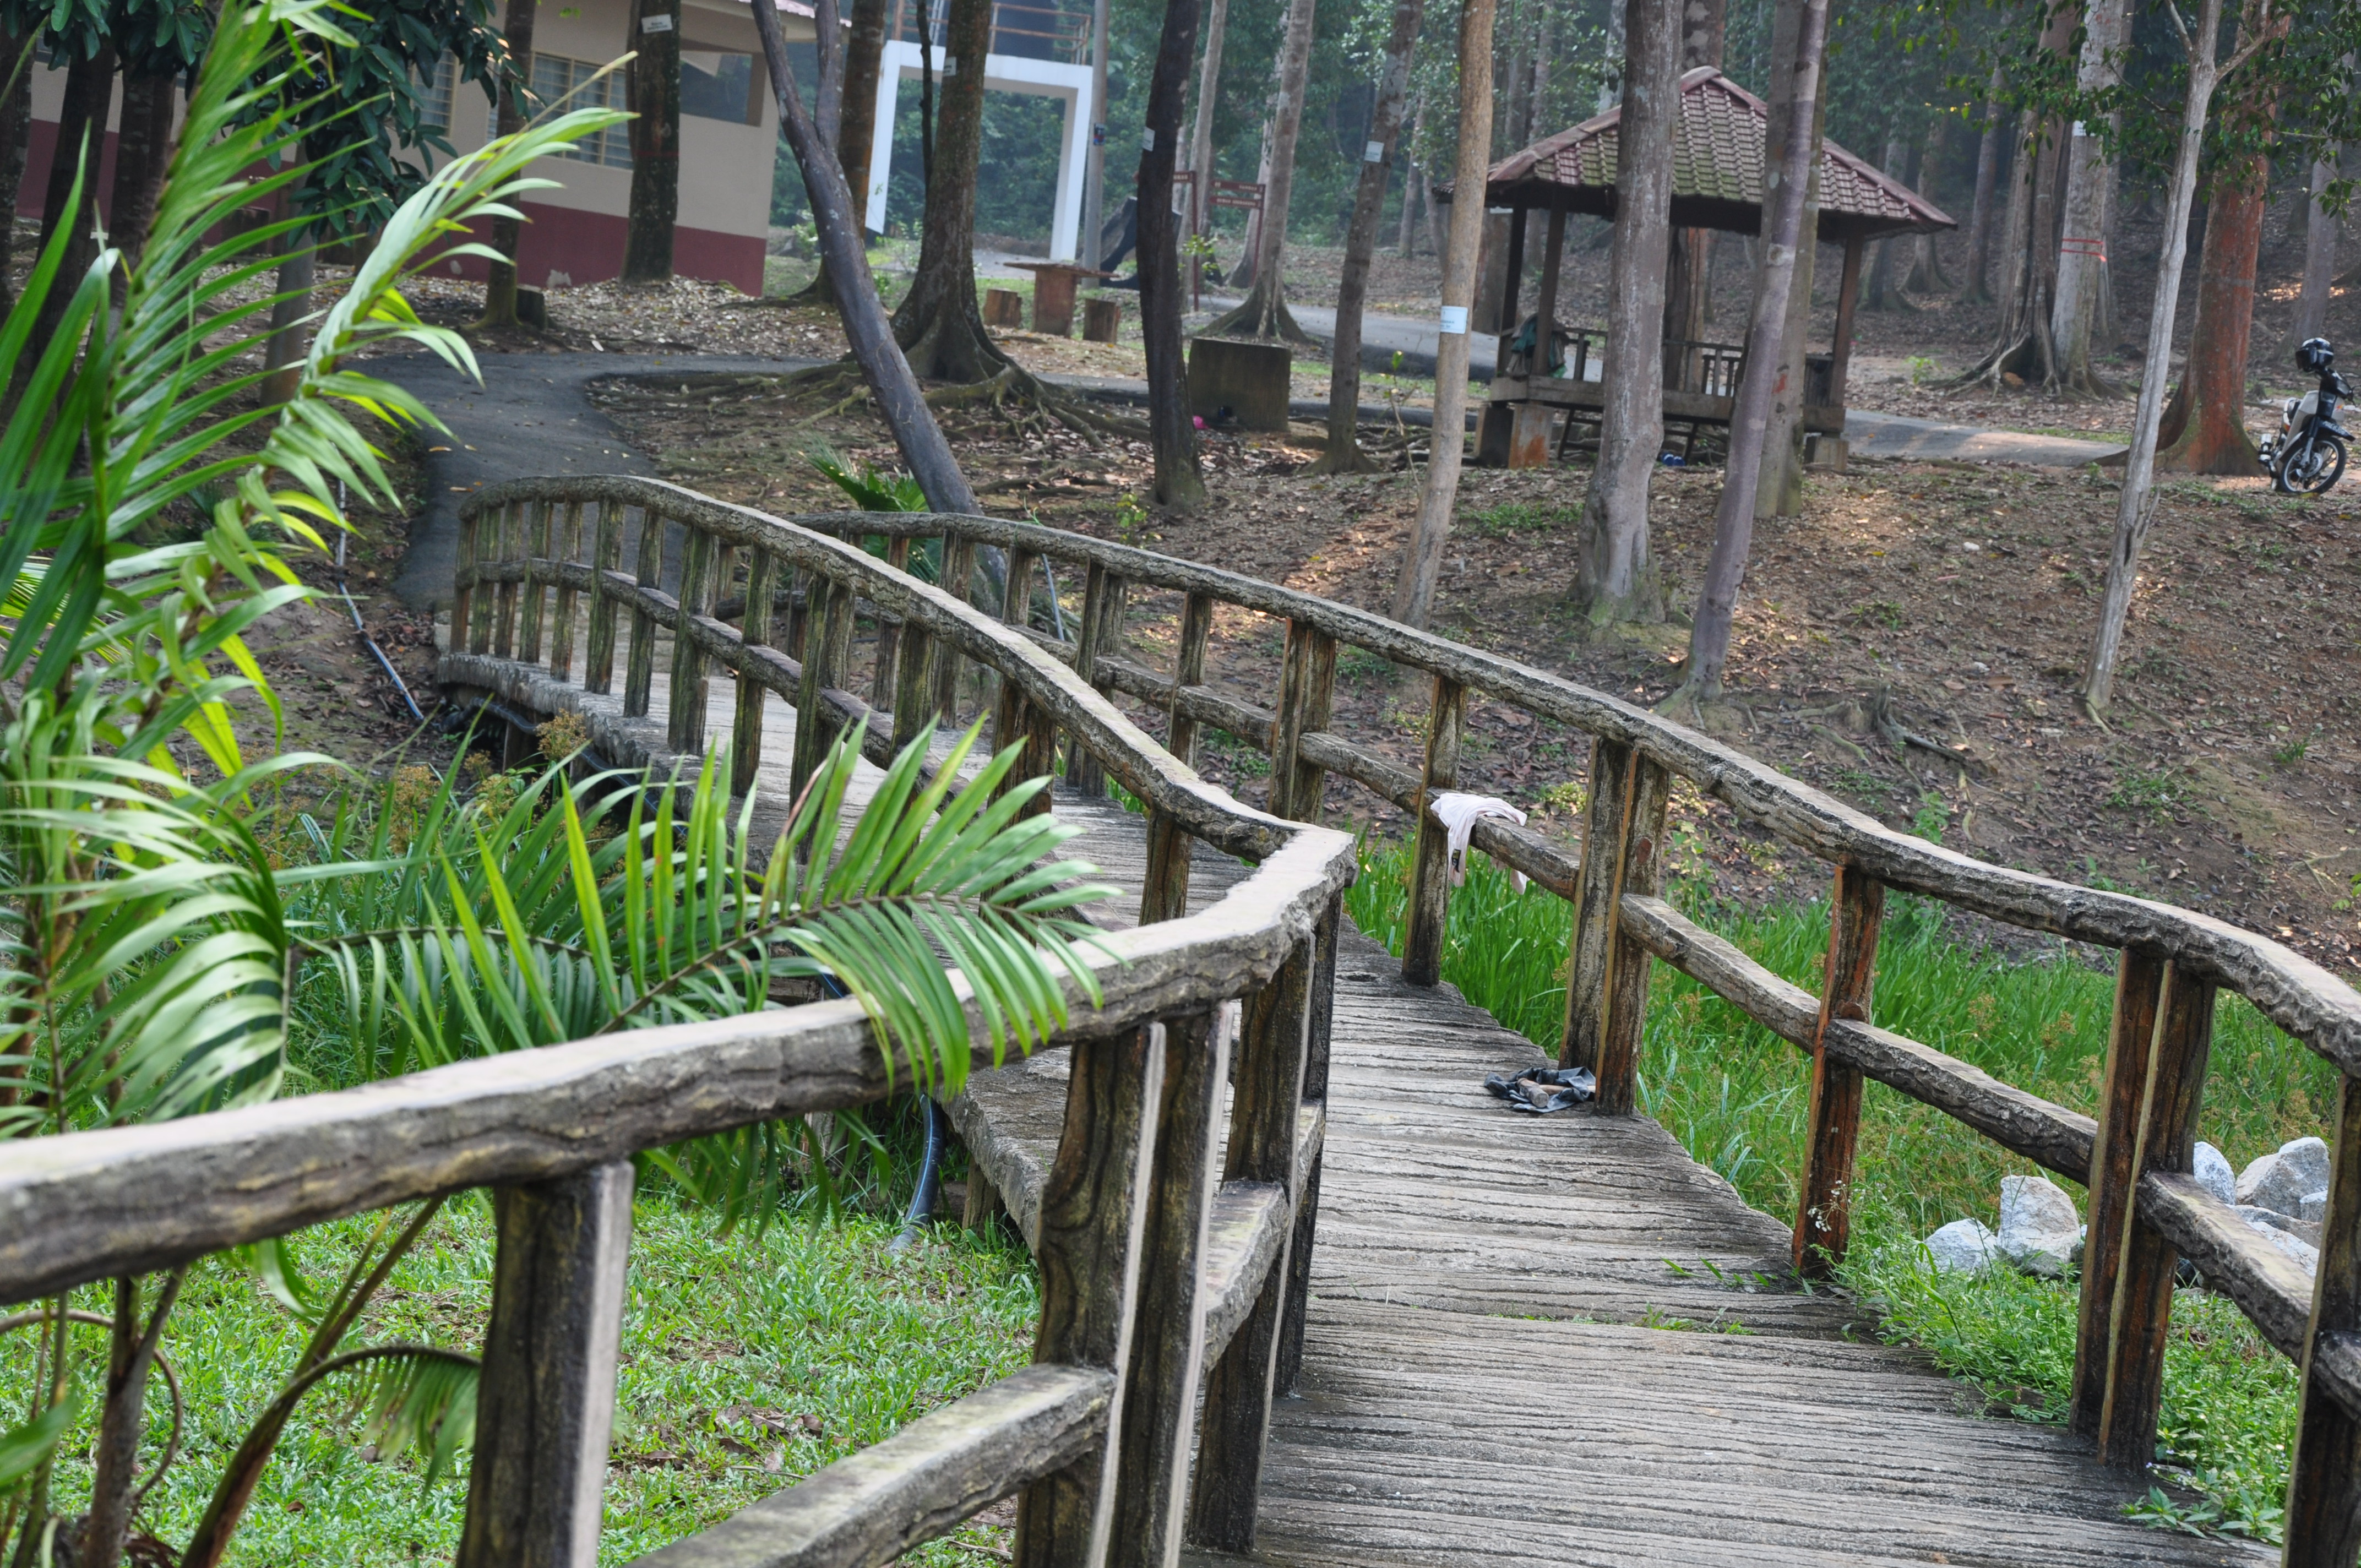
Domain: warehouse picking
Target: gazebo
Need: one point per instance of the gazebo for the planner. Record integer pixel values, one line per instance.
(1718, 162)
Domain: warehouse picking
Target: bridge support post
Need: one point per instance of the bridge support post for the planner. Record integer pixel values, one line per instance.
(540, 520)
(2149, 1123)
(546, 1404)
(684, 710)
(1824, 1214)
(828, 644)
(507, 545)
(1606, 977)
(1165, 896)
(746, 727)
(1430, 871)
(1093, 1209)
(1104, 596)
(958, 580)
(1168, 1351)
(2324, 1514)
(1264, 1115)
(598, 676)
(641, 672)
(1289, 1374)
(569, 601)
(1307, 689)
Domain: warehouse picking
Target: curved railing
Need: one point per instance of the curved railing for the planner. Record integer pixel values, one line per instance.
(1153, 1268)
(2146, 1210)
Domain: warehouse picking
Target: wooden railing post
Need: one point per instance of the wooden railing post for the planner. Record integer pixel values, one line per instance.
(504, 602)
(1164, 894)
(958, 581)
(1307, 690)
(1322, 1015)
(1094, 1207)
(2164, 1137)
(1265, 1101)
(746, 729)
(1824, 1213)
(2131, 1038)
(2323, 1511)
(1430, 874)
(1168, 1351)
(640, 673)
(828, 649)
(569, 550)
(1607, 979)
(914, 684)
(889, 635)
(1102, 605)
(540, 517)
(607, 556)
(464, 597)
(685, 711)
(545, 1405)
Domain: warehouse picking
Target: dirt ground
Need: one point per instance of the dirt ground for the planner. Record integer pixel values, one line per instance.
(1950, 601)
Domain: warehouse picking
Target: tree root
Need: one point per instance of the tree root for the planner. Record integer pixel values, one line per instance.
(1025, 402)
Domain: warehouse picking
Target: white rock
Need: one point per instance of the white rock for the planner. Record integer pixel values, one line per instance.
(2281, 1180)
(2287, 1224)
(2212, 1171)
(2305, 1254)
(2039, 1231)
(1963, 1246)
(2308, 1158)
(2315, 1206)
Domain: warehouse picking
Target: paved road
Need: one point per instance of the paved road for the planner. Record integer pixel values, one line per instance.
(1898, 435)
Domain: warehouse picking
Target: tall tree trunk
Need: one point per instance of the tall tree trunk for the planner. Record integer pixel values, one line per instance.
(508, 233)
(863, 64)
(1688, 293)
(866, 329)
(286, 351)
(1408, 238)
(1180, 482)
(82, 138)
(1537, 105)
(2204, 425)
(655, 142)
(2024, 347)
(1200, 131)
(2082, 242)
(1344, 455)
(15, 138)
(1733, 522)
(2103, 328)
(2319, 259)
(143, 148)
(1780, 487)
(1611, 88)
(1884, 289)
(1094, 153)
(2135, 509)
(1264, 313)
(1615, 574)
(1422, 562)
(1434, 222)
(938, 323)
(1925, 265)
(1513, 64)
(1989, 150)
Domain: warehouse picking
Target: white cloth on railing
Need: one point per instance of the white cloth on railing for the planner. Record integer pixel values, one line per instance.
(1458, 814)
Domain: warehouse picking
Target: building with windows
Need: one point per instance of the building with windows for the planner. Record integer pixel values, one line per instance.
(729, 141)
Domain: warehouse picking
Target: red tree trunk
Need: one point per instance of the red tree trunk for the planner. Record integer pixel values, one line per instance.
(2204, 429)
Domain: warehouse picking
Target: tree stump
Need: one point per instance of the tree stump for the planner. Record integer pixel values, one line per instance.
(1004, 309)
(1102, 320)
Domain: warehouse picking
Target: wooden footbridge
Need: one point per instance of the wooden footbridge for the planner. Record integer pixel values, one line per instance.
(1310, 1295)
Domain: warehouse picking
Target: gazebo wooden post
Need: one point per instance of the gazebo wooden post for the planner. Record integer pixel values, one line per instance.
(1529, 432)
(1848, 300)
(1511, 287)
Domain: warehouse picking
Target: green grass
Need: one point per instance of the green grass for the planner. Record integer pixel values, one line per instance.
(1737, 1097)
(720, 1335)
(1512, 518)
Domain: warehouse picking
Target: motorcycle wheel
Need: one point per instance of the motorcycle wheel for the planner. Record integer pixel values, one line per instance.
(2311, 470)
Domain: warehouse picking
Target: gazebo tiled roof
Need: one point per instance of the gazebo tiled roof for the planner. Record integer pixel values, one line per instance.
(1716, 171)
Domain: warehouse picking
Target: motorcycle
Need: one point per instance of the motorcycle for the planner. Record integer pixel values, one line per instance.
(2307, 454)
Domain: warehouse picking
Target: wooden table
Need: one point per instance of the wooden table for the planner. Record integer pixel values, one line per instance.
(1054, 283)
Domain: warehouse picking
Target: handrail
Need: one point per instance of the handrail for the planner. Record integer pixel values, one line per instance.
(552, 1130)
(2145, 1209)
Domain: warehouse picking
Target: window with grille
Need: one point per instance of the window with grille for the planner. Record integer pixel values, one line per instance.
(434, 110)
(554, 76)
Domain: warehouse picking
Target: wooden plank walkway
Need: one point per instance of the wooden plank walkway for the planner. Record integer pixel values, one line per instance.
(1501, 1363)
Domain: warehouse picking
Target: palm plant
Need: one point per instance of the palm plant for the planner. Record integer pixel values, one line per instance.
(153, 953)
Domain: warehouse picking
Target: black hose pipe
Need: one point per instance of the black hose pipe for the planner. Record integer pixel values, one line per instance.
(930, 1178)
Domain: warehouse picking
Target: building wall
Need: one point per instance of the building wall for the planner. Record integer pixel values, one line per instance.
(575, 232)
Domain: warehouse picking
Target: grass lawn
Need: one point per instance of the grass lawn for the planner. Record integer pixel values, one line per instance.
(748, 1361)
(1737, 1097)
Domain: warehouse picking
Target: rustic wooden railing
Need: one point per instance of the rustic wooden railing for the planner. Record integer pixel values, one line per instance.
(2146, 1212)
(1163, 1267)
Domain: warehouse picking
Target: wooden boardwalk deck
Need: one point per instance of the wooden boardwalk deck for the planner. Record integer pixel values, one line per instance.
(1504, 1365)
